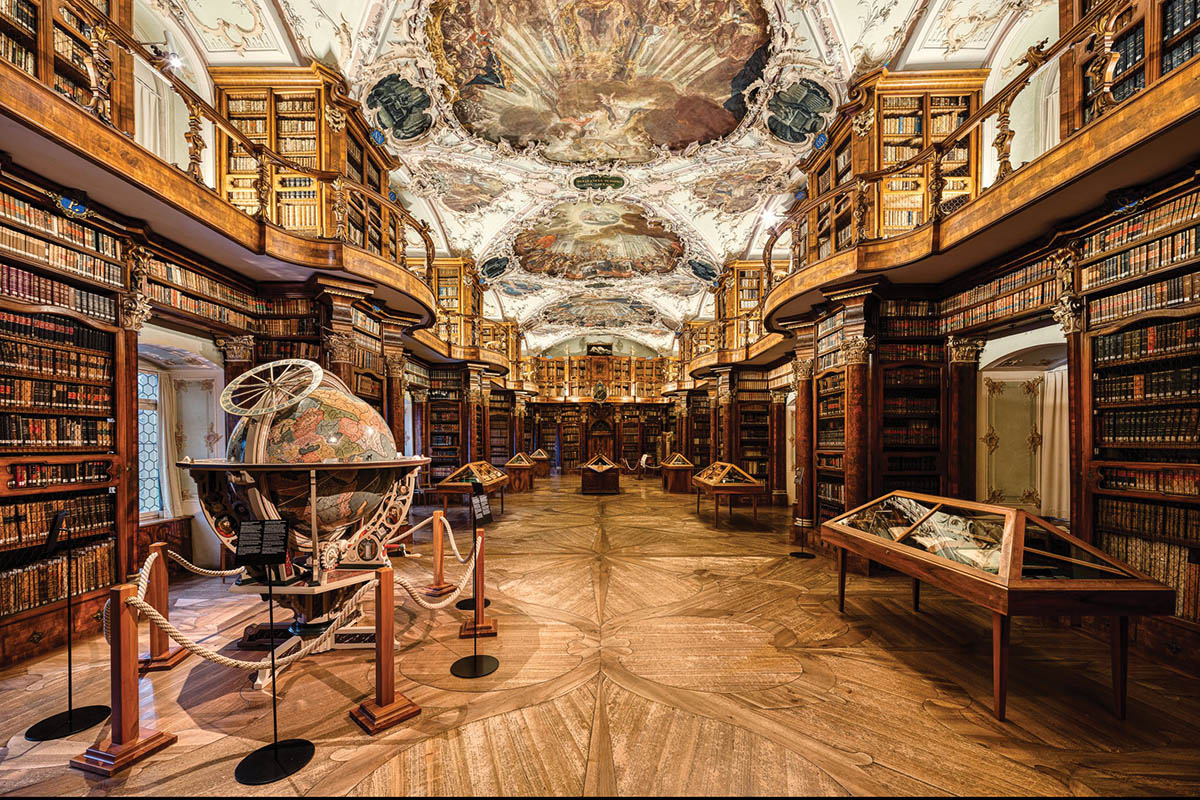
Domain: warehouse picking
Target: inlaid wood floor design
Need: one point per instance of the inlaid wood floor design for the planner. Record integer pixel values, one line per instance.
(644, 652)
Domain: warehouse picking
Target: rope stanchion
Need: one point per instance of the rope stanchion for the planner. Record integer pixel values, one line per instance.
(387, 708)
(439, 587)
(416, 593)
(479, 625)
(161, 657)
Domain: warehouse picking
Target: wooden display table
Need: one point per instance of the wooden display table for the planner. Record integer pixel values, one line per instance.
(722, 479)
(520, 469)
(1004, 559)
(463, 480)
(600, 475)
(541, 463)
(677, 474)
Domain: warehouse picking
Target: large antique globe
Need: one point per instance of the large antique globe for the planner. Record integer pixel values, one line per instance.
(328, 424)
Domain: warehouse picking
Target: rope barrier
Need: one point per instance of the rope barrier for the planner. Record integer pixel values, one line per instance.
(415, 593)
(453, 543)
(208, 573)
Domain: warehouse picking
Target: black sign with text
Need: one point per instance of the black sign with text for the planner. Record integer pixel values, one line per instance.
(480, 506)
(261, 543)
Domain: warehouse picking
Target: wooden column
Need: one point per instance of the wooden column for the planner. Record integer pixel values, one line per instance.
(683, 439)
(962, 399)
(857, 352)
(475, 417)
(396, 364)
(128, 743)
(802, 383)
(777, 429)
(725, 415)
(518, 431)
(239, 357)
(1069, 315)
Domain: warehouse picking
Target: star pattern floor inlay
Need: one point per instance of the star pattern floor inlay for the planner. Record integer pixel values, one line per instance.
(642, 651)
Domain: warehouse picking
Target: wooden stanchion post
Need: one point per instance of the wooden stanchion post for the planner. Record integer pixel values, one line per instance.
(161, 656)
(388, 708)
(127, 743)
(439, 587)
(478, 625)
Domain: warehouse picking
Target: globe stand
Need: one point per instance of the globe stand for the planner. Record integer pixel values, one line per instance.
(73, 720)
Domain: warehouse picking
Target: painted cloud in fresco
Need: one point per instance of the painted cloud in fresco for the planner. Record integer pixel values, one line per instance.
(461, 188)
(739, 190)
(800, 110)
(593, 80)
(582, 241)
(586, 311)
(401, 107)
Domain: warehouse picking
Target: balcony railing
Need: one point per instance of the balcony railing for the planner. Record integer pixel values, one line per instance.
(395, 223)
(1093, 35)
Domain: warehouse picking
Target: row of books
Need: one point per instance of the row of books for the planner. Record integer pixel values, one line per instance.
(246, 105)
(368, 386)
(22, 12)
(830, 360)
(20, 432)
(17, 54)
(45, 476)
(1164, 252)
(295, 105)
(1157, 385)
(829, 384)
(1184, 482)
(911, 433)
(52, 328)
(907, 463)
(908, 308)
(201, 284)
(1163, 339)
(903, 219)
(69, 87)
(908, 327)
(1042, 294)
(61, 257)
(24, 285)
(912, 377)
(1180, 52)
(830, 460)
(287, 326)
(902, 125)
(54, 362)
(1036, 272)
(1165, 562)
(26, 523)
(1145, 223)
(69, 48)
(1150, 427)
(22, 211)
(54, 395)
(831, 406)
(295, 216)
(830, 341)
(45, 581)
(1176, 291)
(896, 351)
(831, 492)
(924, 484)
(272, 350)
(1148, 519)
(908, 404)
(173, 298)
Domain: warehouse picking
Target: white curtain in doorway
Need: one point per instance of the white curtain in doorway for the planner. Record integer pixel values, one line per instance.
(1056, 459)
(170, 429)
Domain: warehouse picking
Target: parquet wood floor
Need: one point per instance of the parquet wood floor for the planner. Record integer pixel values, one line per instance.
(644, 652)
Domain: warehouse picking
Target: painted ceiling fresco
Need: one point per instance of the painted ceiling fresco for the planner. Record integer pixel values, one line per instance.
(693, 114)
(597, 240)
(591, 80)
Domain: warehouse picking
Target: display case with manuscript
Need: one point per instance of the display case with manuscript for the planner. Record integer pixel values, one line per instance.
(721, 479)
(677, 474)
(1008, 561)
(520, 470)
(462, 482)
(541, 462)
(600, 475)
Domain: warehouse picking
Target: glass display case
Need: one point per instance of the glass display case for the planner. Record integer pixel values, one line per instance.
(541, 463)
(520, 473)
(676, 473)
(722, 479)
(1007, 560)
(463, 480)
(600, 475)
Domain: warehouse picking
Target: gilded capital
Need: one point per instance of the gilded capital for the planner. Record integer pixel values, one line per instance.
(964, 350)
(237, 348)
(340, 347)
(396, 363)
(857, 349)
(135, 311)
(1068, 313)
(779, 396)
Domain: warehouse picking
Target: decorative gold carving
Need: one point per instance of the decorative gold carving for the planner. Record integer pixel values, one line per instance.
(993, 387)
(1004, 133)
(1031, 497)
(861, 188)
(937, 186)
(339, 209)
(335, 118)
(857, 349)
(68, 207)
(237, 349)
(1035, 56)
(1068, 313)
(211, 439)
(195, 141)
(991, 439)
(180, 436)
(964, 350)
(1033, 385)
(262, 185)
(419, 395)
(779, 396)
(1034, 440)
(340, 347)
(1103, 65)
(802, 370)
(135, 311)
(863, 122)
(994, 496)
(99, 69)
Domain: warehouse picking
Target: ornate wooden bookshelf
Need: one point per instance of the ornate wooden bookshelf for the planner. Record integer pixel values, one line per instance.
(447, 442)
(66, 369)
(829, 425)
(500, 427)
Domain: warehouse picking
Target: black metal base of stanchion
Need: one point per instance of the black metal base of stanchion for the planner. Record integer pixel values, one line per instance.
(64, 723)
(274, 762)
(474, 666)
(468, 604)
(801, 554)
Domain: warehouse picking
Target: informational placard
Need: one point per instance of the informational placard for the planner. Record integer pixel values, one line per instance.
(480, 505)
(261, 543)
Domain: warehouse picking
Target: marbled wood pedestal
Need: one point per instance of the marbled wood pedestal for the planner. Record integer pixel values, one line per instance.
(108, 759)
(520, 478)
(374, 718)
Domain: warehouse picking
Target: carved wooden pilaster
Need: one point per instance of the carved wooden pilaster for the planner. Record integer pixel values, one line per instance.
(777, 438)
(339, 354)
(396, 365)
(857, 354)
(802, 385)
(420, 401)
(238, 352)
(194, 137)
(961, 404)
